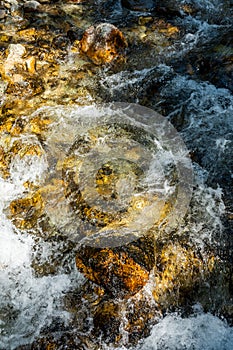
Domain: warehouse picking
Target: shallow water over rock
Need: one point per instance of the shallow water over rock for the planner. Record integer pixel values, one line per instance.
(161, 288)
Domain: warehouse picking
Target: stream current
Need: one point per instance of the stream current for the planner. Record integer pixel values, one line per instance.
(186, 85)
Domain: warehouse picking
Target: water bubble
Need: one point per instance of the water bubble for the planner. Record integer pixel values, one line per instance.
(125, 170)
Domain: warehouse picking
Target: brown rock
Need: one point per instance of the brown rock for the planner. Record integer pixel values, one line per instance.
(28, 34)
(116, 271)
(23, 149)
(38, 125)
(24, 212)
(107, 321)
(3, 163)
(178, 273)
(103, 43)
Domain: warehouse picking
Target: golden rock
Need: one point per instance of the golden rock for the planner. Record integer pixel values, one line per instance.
(117, 272)
(31, 64)
(28, 34)
(24, 212)
(166, 28)
(103, 43)
(37, 125)
(9, 126)
(3, 163)
(24, 149)
(177, 271)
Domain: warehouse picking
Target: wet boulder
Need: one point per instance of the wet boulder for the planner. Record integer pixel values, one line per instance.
(179, 272)
(138, 316)
(103, 43)
(116, 272)
(107, 321)
(173, 8)
(121, 271)
(24, 212)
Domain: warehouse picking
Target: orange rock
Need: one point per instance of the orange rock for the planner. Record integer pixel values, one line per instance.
(103, 43)
(25, 212)
(117, 272)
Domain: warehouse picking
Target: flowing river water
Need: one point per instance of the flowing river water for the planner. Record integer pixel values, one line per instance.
(66, 123)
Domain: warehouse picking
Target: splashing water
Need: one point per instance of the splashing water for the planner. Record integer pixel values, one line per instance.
(27, 303)
(202, 331)
(37, 268)
(31, 303)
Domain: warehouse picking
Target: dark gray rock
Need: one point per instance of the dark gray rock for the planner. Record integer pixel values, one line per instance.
(139, 5)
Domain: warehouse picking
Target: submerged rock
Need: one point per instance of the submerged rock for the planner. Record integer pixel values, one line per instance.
(120, 271)
(178, 271)
(107, 321)
(25, 211)
(103, 43)
(37, 60)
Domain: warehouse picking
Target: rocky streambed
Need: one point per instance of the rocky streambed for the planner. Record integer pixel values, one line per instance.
(64, 65)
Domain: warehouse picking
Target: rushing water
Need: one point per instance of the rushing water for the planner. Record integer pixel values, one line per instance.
(37, 265)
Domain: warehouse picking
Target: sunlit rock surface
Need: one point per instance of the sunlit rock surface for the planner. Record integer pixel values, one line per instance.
(174, 58)
(121, 272)
(103, 43)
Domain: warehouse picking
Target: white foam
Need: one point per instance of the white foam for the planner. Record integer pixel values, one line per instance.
(200, 332)
(28, 168)
(27, 303)
(14, 251)
(34, 302)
